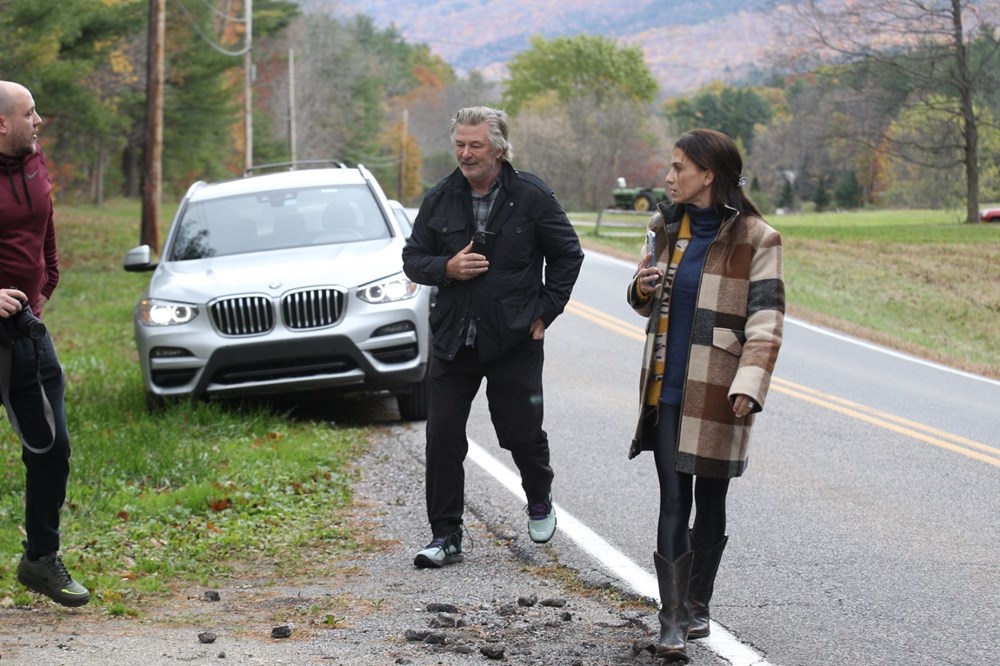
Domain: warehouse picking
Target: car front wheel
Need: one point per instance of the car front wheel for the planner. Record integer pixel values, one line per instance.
(413, 403)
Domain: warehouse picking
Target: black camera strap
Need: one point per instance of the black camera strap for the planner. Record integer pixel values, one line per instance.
(6, 352)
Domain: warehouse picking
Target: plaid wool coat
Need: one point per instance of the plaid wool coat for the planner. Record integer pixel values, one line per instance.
(734, 343)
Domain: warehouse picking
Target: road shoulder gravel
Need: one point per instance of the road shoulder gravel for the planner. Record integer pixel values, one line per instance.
(508, 601)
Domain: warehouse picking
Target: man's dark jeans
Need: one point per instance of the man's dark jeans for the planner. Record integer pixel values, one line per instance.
(31, 362)
(514, 392)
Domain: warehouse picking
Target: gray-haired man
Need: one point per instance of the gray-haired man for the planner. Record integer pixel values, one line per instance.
(504, 257)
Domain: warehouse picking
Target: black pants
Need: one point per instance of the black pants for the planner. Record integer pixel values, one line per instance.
(514, 392)
(677, 490)
(47, 471)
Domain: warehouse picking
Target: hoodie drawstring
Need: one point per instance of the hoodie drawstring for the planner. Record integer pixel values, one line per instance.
(6, 162)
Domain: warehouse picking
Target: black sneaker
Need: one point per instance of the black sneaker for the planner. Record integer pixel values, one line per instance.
(441, 551)
(47, 575)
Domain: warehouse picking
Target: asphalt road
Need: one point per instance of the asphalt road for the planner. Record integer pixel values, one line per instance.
(866, 528)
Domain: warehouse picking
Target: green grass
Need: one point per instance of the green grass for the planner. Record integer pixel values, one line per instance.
(183, 495)
(918, 280)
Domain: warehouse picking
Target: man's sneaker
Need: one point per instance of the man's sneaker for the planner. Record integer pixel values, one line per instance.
(47, 575)
(441, 551)
(541, 520)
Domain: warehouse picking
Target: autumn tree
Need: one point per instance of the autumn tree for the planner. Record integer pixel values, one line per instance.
(350, 80)
(735, 111)
(430, 119)
(580, 147)
(921, 128)
(919, 48)
(407, 183)
(581, 104)
(78, 66)
(574, 67)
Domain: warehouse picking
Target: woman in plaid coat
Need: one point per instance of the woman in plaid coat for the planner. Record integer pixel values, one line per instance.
(711, 287)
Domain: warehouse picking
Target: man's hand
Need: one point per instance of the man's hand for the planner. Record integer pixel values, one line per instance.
(10, 302)
(466, 265)
(538, 330)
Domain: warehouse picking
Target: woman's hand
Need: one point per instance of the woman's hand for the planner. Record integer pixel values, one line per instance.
(743, 405)
(647, 277)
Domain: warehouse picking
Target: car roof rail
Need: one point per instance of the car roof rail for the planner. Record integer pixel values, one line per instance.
(294, 166)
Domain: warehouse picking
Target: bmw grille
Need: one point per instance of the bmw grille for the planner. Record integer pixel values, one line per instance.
(300, 310)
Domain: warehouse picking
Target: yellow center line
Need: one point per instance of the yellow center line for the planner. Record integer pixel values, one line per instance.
(607, 321)
(900, 425)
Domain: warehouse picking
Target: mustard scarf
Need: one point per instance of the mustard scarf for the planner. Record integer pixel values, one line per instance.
(654, 387)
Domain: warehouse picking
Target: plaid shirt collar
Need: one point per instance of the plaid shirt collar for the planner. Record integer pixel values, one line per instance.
(482, 203)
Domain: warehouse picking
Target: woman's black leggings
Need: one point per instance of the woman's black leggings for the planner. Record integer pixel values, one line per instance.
(677, 490)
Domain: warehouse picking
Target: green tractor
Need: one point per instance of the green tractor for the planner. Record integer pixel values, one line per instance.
(641, 199)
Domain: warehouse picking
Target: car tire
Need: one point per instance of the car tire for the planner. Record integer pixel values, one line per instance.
(154, 402)
(413, 403)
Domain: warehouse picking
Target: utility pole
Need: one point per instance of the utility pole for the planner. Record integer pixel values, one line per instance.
(247, 93)
(152, 188)
(291, 106)
(402, 154)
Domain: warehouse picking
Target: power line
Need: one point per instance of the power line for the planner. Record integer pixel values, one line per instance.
(208, 40)
(222, 15)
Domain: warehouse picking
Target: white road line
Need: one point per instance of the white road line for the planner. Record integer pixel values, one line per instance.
(885, 350)
(721, 642)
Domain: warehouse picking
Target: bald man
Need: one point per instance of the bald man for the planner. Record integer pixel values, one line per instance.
(31, 378)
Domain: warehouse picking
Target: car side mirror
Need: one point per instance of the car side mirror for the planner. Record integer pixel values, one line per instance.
(139, 259)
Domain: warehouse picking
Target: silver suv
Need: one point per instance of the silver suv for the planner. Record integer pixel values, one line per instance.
(280, 283)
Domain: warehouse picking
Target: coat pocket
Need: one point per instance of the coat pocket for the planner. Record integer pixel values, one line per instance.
(515, 244)
(517, 312)
(451, 234)
(728, 340)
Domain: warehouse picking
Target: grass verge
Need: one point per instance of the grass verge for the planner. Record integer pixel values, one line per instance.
(181, 496)
(917, 280)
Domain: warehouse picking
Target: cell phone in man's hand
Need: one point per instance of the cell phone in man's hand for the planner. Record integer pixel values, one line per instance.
(482, 243)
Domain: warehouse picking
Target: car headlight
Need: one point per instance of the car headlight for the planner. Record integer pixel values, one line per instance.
(395, 288)
(152, 312)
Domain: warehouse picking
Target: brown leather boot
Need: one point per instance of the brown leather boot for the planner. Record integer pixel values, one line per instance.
(704, 568)
(673, 579)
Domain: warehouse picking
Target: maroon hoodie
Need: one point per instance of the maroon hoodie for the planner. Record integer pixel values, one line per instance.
(28, 257)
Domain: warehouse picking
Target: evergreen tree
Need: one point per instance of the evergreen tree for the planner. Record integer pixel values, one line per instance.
(787, 198)
(847, 192)
(822, 197)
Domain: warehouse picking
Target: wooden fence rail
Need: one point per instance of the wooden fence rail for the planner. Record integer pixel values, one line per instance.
(620, 227)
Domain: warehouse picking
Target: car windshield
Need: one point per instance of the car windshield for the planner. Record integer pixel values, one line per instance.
(277, 219)
(404, 220)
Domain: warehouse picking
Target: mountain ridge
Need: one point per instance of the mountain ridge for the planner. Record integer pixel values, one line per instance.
(731, 36)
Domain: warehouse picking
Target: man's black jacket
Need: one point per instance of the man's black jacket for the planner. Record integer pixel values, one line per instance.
(531, 230)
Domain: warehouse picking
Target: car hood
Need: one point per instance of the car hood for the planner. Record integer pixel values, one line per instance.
(277, 271)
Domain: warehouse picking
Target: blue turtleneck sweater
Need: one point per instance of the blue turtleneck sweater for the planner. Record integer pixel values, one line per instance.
(705, 223)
